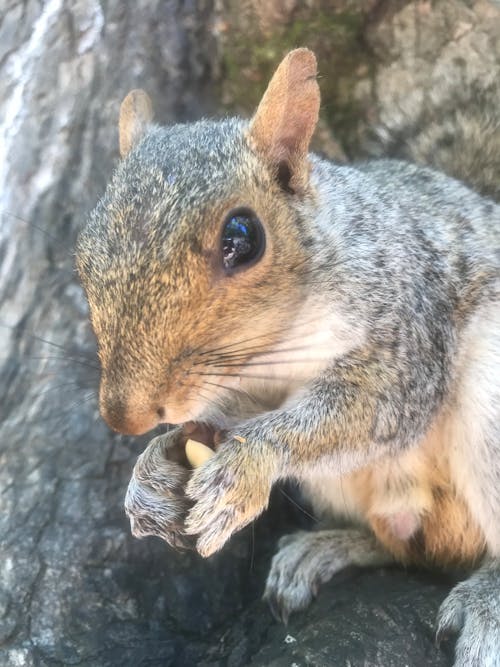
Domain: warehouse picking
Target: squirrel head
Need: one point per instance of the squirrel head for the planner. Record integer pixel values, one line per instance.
(195, 260)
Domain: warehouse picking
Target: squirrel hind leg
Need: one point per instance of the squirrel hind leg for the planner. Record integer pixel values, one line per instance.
(472, 610)
(305, 560)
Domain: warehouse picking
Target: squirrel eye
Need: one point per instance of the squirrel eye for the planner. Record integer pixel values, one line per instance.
(243, 238)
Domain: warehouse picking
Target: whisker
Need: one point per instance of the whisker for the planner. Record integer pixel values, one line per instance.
(193, 399)
(272, 351)
(298, 506)
(243, 375)
(203, 395)
(29, 223)
(268, 363)
(240, 342)
(196, 387)
(239, 391)
(221, 386)
(58, 386)
(58, 419)
(255, 349)
(39, 338)
(89, 397)
(243, 354)
(43, 376)
(31, 357)
(252, 338)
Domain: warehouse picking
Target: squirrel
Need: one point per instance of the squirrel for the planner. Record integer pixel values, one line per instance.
(338, 325)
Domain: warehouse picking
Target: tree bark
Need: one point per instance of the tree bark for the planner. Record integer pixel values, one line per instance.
(75, 587)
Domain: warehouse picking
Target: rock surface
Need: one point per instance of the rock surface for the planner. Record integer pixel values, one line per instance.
(75, 587)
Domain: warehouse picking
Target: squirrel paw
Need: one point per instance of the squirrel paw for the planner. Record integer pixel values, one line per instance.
(293, 578)
(473, 610)
(155, 502)
(229, 491)
(306, 560)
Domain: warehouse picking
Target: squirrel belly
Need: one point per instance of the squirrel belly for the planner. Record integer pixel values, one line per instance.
(410, 502)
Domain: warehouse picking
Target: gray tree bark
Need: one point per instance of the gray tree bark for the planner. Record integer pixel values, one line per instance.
(75, 587)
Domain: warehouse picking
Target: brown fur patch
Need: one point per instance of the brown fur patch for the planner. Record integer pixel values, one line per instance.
(420, 481)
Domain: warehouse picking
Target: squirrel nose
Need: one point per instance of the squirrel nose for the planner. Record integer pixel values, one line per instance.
(122, 417)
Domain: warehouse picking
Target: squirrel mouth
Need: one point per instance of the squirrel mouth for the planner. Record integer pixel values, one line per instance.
(203, 433)
(199, 443)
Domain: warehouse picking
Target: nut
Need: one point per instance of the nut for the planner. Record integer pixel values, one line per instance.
(197, 453)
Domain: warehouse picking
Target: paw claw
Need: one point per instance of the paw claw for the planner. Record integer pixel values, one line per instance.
(472, 610)
(441, 635)
(306, 560)
(217, 531)
(155, 502)
(211, 541)
(449, 622)
(273, 607)
(225, 499)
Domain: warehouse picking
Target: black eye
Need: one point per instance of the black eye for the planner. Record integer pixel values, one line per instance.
(243, 238)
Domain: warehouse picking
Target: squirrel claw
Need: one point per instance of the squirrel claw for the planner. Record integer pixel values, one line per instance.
(472, 611)
(225, 499)
(279, 611)
(155, 502)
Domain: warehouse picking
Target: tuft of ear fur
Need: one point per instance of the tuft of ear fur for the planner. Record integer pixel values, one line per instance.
(136, 114)
(286, 117)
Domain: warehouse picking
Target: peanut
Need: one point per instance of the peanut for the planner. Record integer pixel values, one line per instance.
(197, 453)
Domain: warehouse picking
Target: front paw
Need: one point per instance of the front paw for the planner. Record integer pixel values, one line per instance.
(156, 503)
(229, 490)
(472, 610)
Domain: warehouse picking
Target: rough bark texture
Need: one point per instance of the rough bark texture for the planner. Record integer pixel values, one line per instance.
(75, 588)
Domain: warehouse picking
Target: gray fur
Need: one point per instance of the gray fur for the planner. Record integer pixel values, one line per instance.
(472, 610)
(155, 501)
(306, 560)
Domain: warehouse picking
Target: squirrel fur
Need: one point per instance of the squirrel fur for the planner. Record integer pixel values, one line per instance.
(359, 355)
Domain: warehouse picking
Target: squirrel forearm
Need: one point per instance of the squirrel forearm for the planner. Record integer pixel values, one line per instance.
(360, 409)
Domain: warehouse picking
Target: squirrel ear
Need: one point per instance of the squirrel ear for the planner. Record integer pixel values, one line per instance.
(136, 113)
(286, 117)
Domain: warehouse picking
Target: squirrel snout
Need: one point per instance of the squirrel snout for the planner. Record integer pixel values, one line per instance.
(130, 420)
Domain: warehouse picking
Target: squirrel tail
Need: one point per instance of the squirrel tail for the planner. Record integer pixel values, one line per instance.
(461, 139)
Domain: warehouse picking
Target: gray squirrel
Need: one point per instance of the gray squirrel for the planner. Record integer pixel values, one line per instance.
(337, 325)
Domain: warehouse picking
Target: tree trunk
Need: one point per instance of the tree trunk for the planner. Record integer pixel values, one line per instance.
(75, 587)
